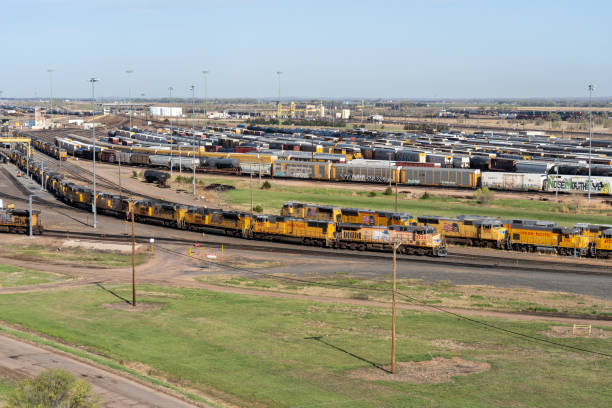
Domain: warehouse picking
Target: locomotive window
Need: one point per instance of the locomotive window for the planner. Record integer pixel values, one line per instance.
(516, 236)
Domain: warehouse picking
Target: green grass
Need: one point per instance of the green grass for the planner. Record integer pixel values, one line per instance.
(260, 350)
(11, 276)
(84, 257)
(273, 199)
(6, 388)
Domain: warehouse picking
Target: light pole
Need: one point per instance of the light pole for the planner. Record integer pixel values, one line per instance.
(278, 73)
(93, 156)
(129, 72)
(170, 89)
(205, 72)
(192, 88)
(591, 87)
(30, 205)
(50, 71)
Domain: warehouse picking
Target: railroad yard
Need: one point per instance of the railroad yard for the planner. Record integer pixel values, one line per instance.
(534, 292)
(323, 205)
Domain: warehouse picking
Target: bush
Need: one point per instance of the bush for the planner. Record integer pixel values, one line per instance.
(258, 208)
(372, 194)
(425, 196)
(388, 191)
(53, 388)
(266, 185)
(134, 174)
(483, 195)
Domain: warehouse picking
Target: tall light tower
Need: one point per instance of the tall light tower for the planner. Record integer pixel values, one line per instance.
(93, 138)
(170, 89)
(205, 72)
(591, 87)
(129, 72)
(50, 71)
(278, 73)
(192, 88)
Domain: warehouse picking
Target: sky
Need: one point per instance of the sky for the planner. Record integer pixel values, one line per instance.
(325, 49)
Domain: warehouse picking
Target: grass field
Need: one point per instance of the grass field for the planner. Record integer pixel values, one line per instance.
(260, 351)
(441, 293)
(272, 200)
(11, 276)
(83, 257)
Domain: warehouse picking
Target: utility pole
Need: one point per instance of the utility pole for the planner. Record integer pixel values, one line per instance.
(396, 196)
(30, 206)
(93, 138)
(119, 163)
(129, 72)
(132, 203)
(193, 135)
(251, 188)
(395, 245)
(280, 106)
(205, 72)
(591, 87)
(50, 71)
(170, 89)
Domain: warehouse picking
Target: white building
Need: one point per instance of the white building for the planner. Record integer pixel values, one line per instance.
(166, 111)
(346, 113)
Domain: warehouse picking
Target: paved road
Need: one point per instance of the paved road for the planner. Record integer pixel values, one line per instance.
(19, 360)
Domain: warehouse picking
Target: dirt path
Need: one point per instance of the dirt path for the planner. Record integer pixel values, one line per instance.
(20, 359)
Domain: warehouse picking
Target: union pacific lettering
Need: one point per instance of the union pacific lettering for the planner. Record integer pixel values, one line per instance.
(536, 233)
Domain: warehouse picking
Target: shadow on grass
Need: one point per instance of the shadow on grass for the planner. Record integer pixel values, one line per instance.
(98, 284)
(320, 340)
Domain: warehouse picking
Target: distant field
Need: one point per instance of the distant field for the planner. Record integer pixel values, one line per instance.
(260, 351)
(273, 199)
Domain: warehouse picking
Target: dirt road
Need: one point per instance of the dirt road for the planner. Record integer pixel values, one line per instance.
(19, 359)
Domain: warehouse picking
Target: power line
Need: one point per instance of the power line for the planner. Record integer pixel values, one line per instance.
(410, 298)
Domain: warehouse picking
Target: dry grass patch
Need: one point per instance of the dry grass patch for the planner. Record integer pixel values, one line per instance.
(567, 332)
(435, 371)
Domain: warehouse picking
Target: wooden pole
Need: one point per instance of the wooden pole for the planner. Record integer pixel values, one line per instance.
(396, 196)
(133, 261)
(393, 311)
(251, 188)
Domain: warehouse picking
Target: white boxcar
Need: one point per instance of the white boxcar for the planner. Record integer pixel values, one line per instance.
(256, 168)
(578, 184)
(513, 181)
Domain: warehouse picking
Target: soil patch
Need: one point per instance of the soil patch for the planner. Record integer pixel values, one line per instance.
(436, 371)
(140, 307)
(570, 332)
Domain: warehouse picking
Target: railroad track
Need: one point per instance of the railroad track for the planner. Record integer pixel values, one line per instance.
(450, 260)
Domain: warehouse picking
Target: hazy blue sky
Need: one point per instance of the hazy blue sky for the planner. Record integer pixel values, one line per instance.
(393, 49)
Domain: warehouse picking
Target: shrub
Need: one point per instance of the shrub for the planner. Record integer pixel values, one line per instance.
(425, 196)
(372, 194)
(258, 208)
(266, 185)
(53, 388)
(134, 174)
(388, 191)
(483, 195)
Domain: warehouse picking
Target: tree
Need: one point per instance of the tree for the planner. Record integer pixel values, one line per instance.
(483, 195)
(53, 389)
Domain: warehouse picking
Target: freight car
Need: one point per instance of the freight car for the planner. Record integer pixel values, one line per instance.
(18, 221)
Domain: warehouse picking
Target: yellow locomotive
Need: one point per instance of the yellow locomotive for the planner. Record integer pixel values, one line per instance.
(346, 215)
(564, 241)
(468, 230)
(308, 232)
(603, 244)
(161, 213)
(18, 221)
